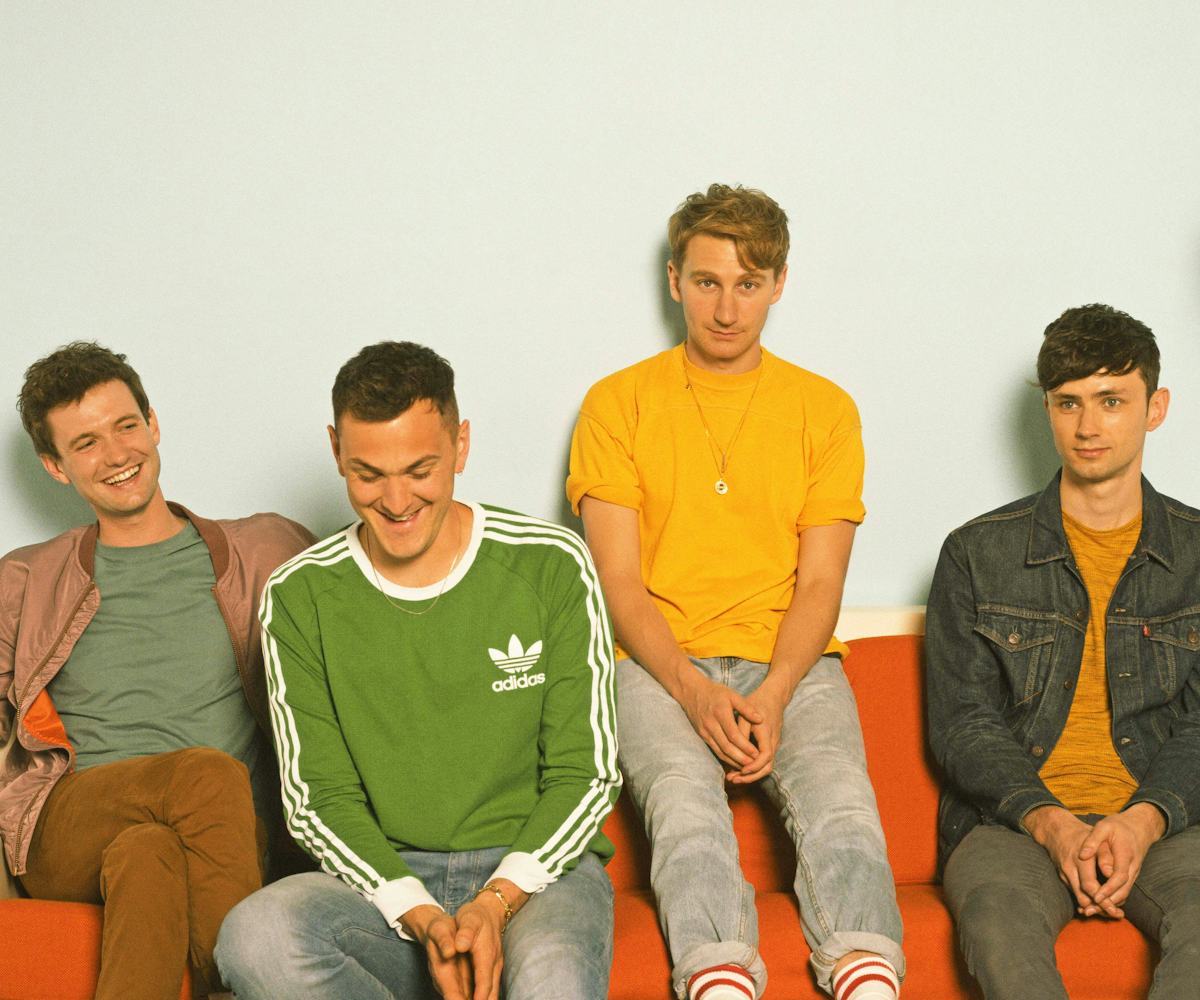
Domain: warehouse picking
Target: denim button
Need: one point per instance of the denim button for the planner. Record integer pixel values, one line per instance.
(1013, 638)
(1080, 615)
(1037, 751)
(1067, 684)
(1125, 741)
(1193, 637)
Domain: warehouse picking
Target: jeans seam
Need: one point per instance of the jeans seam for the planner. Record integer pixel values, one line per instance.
(359, 929)
(802, 865)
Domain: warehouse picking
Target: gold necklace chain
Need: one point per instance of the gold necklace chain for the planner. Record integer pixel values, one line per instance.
(721, 486)
(445, 580)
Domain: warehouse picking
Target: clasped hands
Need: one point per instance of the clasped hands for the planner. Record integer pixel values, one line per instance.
(742, 731)
(1100, 863)
(463, 949)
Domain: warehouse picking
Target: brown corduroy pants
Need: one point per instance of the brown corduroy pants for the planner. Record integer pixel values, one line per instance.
(168, 844)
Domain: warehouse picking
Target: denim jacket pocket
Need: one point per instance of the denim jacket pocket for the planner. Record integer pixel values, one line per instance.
(1022, 643)
(1175, 641)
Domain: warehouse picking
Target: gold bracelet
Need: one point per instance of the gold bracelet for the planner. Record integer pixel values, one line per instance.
(495, 891)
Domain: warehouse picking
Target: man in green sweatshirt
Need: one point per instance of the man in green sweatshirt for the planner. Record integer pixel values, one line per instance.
(441, 685)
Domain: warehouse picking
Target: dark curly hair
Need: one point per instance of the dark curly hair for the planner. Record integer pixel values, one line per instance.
(382, 381)
(1096, 338)
(65, 377)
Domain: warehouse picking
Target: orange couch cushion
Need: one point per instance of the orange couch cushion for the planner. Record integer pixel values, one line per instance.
(51, 950)
(887, 676)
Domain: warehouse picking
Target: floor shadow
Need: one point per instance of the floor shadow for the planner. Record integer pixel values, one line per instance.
(52, 506)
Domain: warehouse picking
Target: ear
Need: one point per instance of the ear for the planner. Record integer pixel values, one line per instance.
(462, 446)
(1156, 410)
(53, 466)
(152, 423)
(779, 280)
(673, 281)
(337, 452)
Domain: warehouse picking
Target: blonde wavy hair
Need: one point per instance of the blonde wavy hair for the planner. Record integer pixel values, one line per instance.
(753, 220)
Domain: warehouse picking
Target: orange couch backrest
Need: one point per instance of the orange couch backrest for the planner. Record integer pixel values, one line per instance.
(886, 675)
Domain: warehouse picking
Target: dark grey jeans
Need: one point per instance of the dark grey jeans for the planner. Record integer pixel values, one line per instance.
(1009, 906)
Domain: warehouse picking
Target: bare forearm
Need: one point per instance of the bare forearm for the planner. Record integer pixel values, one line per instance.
(808, 622)
(804, 633)
(643, 631)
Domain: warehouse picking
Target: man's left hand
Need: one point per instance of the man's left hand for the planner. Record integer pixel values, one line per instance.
(1119, 844)
(478, 939)
(770, 699)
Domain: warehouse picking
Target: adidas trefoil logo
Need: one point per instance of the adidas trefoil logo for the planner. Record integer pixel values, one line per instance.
(516, 663)
(516, 659)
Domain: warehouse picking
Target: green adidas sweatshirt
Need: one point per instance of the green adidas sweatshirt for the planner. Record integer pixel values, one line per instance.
(488, 721)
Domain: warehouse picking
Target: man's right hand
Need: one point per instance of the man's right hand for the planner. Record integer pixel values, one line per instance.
(1063, 834)
(435, 930)
(714, 711)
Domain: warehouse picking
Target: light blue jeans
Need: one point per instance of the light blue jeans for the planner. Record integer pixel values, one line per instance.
(312, 937)
(819, 785)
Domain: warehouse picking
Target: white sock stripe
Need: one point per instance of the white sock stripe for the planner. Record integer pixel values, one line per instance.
(721, 989)
(848, 980)
(741, 981)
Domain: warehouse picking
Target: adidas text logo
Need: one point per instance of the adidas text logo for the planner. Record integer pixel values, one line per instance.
(516, 663)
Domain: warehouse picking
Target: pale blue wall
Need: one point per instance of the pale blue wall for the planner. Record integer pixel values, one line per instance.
(241, 194)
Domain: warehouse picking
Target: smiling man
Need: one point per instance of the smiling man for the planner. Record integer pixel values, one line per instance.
(129, 655)
(720, 488)
(1063, 644)
(441, 679)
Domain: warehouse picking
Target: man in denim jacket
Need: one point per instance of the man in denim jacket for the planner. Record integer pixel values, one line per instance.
(1063, 645)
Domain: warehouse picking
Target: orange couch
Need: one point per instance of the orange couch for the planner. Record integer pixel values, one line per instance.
(50, 951)
(1099, 960)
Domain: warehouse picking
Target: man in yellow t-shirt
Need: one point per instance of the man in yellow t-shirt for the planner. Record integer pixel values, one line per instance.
(720, 488)
(1063, 648)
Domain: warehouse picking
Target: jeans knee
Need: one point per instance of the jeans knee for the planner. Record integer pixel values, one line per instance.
(996, 920)
(1180, 930)
(239, 949)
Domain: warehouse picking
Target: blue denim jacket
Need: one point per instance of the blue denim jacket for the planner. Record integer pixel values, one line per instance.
(1004, 641)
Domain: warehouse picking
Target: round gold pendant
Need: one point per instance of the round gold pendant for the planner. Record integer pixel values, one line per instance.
(721, 487)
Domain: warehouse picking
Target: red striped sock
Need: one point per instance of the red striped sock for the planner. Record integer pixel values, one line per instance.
(721, 982)
(871, 978)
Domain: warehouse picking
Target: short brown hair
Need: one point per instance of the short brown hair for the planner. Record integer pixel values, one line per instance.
(755, 223)
(1096, 338)
(384, 380)
(65, 377)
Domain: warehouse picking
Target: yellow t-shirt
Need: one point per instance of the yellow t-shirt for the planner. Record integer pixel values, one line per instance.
(1084, 770)
(721, 569)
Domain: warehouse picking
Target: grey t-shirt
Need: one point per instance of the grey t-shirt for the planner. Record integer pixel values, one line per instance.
(155, 670)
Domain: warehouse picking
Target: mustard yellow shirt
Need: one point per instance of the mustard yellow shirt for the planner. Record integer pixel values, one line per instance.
(1084, 770)
(721, 569)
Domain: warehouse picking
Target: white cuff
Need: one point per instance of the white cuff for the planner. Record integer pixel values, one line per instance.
(395, 898)
(524, 871)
